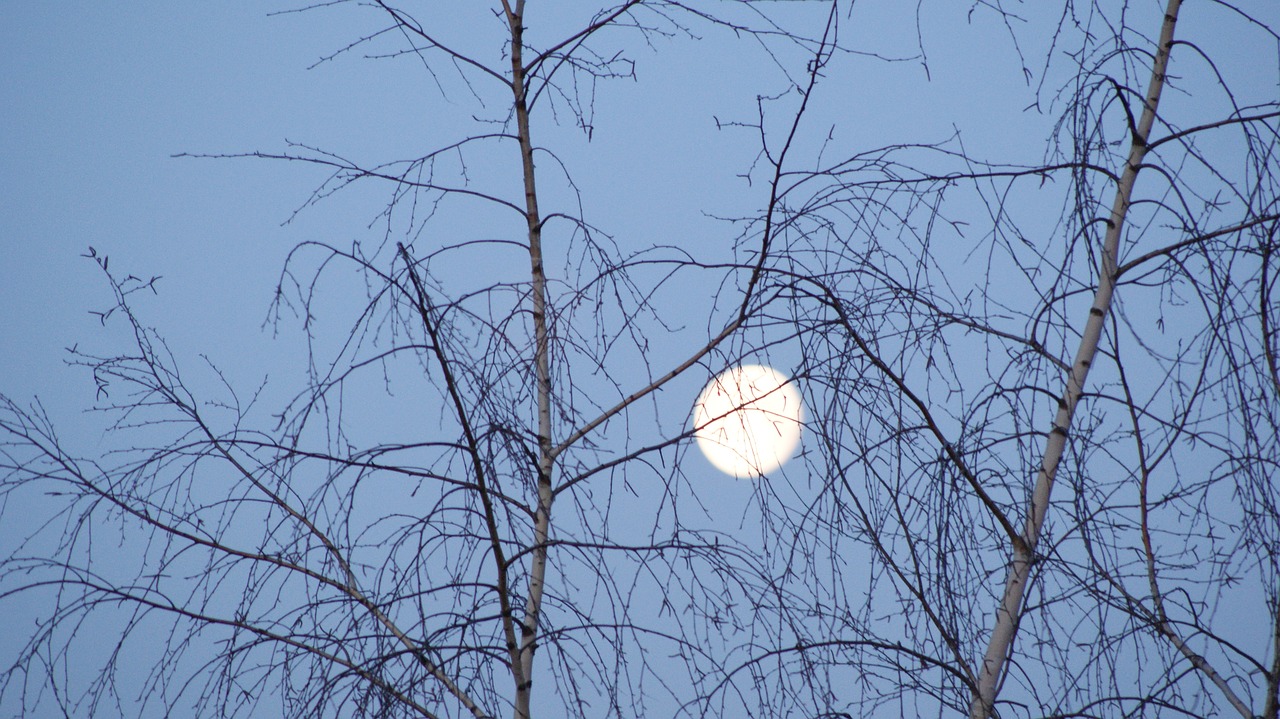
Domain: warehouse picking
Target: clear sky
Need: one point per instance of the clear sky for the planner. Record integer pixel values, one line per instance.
(98, 97)
(101, 96)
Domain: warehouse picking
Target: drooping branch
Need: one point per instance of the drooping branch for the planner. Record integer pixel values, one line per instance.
(423, 306)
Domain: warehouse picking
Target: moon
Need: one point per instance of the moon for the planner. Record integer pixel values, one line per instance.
(747, 420)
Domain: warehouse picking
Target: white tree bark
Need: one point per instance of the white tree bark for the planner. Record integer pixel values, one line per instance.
(522, 660)
(1024, 547)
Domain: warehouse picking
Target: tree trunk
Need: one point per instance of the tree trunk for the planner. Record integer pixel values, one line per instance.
(1009, 612)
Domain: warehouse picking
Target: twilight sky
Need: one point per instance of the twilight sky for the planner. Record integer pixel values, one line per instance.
(99, 97)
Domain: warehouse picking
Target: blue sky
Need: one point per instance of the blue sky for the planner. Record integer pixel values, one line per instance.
(99, 97)
(102, 96)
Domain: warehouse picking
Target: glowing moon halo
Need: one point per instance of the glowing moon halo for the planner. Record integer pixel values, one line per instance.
(747, 420)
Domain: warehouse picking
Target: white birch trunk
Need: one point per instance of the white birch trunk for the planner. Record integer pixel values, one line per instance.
(522, 661)
(1023, 556)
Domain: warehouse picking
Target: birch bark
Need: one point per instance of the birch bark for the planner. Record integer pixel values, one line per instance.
(1008, 613)
(522, 665)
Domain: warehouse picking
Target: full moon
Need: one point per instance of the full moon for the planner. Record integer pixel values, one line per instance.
(747, 420)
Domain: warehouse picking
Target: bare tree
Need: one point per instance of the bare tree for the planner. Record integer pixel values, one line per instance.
(1043, 489)
(1109, 436)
